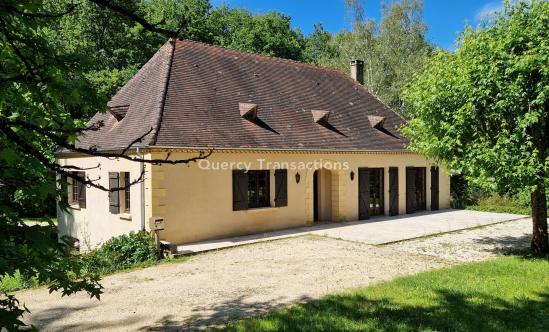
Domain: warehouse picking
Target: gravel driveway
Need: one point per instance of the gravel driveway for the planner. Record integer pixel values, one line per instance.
(214, 287)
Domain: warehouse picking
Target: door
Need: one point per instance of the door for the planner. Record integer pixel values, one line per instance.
(415, 189)
(393, 191)
(376, 207)
(363, 193)
(434, 188)
(410, 189)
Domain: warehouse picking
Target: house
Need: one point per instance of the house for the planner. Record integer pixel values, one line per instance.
(292, 144)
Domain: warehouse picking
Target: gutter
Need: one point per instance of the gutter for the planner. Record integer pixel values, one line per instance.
(142, 190)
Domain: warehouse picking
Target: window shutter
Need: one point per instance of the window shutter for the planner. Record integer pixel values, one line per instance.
(64, 185)
(393, 191)
(434, 188)
(240, 190)
(114, 196)
(281, 187)
(363, 193)
(82, 190)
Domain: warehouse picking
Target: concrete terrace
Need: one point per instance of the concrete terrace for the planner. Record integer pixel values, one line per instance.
(375, 231)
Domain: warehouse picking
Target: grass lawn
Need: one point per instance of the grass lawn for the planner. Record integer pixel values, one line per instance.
(505, 294)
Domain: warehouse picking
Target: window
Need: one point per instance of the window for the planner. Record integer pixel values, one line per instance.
(258, 189)
(250, 189)
(119, 200)
(126, 192)
(77, 191)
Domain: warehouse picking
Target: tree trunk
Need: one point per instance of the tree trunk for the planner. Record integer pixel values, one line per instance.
(540, 240)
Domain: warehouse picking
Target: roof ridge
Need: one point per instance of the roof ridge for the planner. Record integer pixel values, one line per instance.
(154, 137)
(267, 57)
(305, 64)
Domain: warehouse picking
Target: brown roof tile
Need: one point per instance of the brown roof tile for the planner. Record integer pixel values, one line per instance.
(200, 104)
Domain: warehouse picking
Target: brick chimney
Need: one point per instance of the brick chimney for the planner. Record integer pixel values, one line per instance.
(357, 71)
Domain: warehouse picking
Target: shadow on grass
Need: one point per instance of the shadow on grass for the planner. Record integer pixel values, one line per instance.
(453, 311)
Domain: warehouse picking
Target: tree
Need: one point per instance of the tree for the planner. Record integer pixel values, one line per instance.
(45, 91)
(392, 50)
(483, 108)
(269, 34)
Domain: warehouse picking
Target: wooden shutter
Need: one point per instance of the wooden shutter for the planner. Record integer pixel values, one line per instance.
(240, 190)
(114, 196)
(64, 186)
(82, 190)
(434, 188)
(281, 187)
(393, 191)
(363, 193)
(411, 203)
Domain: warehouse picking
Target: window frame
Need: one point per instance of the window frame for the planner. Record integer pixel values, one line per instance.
(75, 191)
(126, 192)
(255, 179)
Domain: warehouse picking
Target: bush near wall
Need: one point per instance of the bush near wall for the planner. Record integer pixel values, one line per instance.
(122, 252)
(465, 195)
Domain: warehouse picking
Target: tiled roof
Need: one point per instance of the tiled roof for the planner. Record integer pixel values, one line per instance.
(193, 95)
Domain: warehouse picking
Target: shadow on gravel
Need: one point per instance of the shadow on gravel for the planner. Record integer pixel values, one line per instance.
(44, 319)
(219, 314)
(506, 245)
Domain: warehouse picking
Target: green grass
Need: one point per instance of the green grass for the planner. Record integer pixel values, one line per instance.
(505, 294)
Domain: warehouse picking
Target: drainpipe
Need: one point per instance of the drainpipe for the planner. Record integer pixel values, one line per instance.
(142, 190)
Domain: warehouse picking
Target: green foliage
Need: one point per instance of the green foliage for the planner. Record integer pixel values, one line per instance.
(122, 252)
(269, 34)
(505, 294)
(10, 283)
(482, 109)
(503, 204)
(33, 254)
(392, 50)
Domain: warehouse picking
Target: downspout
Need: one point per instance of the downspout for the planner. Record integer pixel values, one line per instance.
(142, 190)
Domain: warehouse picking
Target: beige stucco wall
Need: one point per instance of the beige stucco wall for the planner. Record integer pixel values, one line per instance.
(197, 203)
(94, 224)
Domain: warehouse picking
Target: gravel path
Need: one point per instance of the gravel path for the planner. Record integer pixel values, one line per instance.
(217, 286)
(214, 287)
(474, 244)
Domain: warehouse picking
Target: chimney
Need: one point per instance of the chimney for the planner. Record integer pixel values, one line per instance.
(357, 71)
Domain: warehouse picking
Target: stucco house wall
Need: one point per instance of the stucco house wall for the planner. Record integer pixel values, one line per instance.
(196, 199)
(197, 203)
(94, 224)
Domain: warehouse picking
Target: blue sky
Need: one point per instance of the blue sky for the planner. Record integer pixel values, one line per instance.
(445, 18)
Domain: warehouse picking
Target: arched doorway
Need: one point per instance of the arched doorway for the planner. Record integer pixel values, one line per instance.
(322, 195)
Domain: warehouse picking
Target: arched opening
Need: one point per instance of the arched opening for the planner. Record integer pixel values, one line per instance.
(322, 195)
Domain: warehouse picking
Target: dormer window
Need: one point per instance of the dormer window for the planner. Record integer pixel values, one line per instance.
(321, 117)
(119, 112)
(376, 121)
(248, 111)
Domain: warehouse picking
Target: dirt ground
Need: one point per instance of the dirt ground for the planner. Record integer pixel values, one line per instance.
(215, 287)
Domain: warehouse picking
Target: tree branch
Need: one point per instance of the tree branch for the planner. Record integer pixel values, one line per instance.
(134, 17)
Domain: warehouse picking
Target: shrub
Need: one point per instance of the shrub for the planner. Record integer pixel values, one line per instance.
(10, 283)
(122, 252)
(500, 203)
